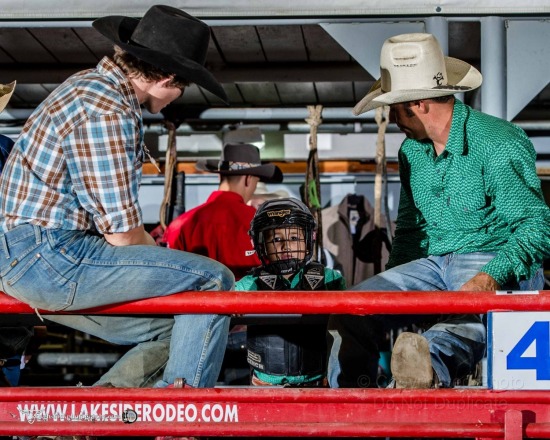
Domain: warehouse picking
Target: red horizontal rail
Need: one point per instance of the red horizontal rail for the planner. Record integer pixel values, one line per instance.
(301, 302)
(441, 396)
(275, 412)
(456, 430)
(289, 412)
(277, 395)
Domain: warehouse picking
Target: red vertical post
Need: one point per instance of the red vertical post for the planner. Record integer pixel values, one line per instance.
(513, 425)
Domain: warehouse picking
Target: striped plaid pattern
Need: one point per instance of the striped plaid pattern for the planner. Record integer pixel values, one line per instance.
(77, 164)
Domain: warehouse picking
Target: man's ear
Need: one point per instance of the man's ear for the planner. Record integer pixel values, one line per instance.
(422, 105)
(164, 81)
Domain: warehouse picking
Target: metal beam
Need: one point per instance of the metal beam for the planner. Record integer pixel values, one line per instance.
(244, 73)
(71, 10)
(363, 41)
(493, 67)
(528, 62)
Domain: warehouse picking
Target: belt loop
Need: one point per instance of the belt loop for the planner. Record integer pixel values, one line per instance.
(4, 244)
(37, 234)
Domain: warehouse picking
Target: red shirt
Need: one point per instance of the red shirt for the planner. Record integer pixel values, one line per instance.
(217, 229)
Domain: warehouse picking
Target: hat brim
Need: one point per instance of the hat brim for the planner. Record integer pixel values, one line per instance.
(461, 77)
(280, 194)
(5, 98)
(118, 30)
(267, 173)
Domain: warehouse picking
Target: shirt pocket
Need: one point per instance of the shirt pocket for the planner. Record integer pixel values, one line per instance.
(467, 211)
(36, 282)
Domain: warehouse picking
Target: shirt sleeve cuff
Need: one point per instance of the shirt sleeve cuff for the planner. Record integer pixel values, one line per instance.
(122, 221)
(499, 269)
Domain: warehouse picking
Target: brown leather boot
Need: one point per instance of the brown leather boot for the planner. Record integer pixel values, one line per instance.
(411, 363)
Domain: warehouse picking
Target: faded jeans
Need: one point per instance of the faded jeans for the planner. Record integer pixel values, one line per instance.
(60, 270)
(457, 342)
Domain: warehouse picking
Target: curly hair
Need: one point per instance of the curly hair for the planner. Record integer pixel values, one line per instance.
(136, 68)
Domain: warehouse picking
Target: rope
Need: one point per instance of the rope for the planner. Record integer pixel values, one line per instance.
(382, 118)
(312, 190)
(169, 169)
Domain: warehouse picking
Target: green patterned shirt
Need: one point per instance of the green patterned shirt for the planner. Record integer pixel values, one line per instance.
(482, 194)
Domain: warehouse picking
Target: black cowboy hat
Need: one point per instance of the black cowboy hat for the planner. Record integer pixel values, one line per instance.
(167, 38)
(241, 160)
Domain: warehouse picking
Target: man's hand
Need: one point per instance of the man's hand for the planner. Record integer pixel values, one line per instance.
(134, 236)
(481, 282)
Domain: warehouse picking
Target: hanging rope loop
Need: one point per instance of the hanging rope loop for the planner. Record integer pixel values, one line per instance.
(169, 170)
(312, 190)
(381, 117)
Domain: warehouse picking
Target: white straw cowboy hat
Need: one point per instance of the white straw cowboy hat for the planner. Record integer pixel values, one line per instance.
(5, 94)
(264, 193)
(412, 67)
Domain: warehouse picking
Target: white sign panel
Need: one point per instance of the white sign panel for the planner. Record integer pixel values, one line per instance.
(519, 350)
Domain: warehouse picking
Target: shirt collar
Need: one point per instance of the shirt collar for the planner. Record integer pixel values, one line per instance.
(456, 144)
(227, 195)
(108, 68)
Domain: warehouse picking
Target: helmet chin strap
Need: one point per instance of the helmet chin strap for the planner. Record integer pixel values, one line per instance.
(285, 267)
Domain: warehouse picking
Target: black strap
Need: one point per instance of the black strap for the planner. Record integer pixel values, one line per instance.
(9, 362)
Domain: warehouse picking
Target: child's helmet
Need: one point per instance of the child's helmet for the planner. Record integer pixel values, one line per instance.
(277, 214)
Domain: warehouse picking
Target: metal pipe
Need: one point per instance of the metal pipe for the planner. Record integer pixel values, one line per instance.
(232, 20)
(267, 113)
(227, 114)
(439, 27)
(95, 360)
(350, 302)
(266, 429)
(291, 127)
(41, 22)
(476, 396)
(22, 114)
(493, 66)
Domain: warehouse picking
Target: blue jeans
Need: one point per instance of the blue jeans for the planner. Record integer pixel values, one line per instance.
(457, 342)
(13, 372)
(57, 270)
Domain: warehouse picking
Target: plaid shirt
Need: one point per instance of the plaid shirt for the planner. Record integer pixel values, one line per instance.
(77, 164)
(482, 194)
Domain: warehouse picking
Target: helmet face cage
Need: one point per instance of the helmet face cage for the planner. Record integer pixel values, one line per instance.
(283, 232)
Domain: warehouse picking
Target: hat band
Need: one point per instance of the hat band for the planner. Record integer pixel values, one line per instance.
(234, 166)
(4, 90)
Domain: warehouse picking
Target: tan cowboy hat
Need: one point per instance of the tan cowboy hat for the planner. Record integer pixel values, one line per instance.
(264, 193)
(241, 160)
(412, 67)
(5, 94)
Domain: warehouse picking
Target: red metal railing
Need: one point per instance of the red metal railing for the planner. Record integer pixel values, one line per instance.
(335, 302)
(256, 412)
(278, 412)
